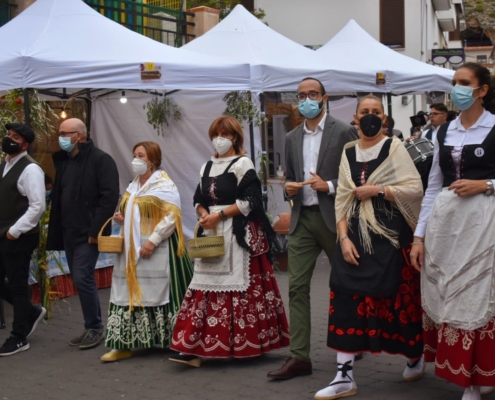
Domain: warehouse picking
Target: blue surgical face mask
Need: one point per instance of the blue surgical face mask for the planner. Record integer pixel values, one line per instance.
(66, 144)
(48, 192)
(462, 96)
(310, 108)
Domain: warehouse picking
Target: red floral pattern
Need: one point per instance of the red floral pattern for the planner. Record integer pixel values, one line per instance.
(391, 324)
(234, 324)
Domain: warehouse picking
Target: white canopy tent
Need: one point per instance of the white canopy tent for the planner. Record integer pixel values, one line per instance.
(356, 50)
(65, 43)
(277, 63)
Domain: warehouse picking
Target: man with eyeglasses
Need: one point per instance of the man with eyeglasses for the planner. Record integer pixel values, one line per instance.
(313, 153)
(84, 195)
(22, 203)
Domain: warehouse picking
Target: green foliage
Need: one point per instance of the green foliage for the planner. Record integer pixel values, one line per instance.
(41, 114)
(160, 110)
(225, 7)
(241, 107)
(492, 15)
(479, 7)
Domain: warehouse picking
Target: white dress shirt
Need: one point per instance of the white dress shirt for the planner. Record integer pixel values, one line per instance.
(311, 150)
(456, 136)
(433, 134)
(31, 184)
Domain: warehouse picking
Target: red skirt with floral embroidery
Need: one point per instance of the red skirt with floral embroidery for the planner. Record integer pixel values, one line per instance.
(234, 324)
(391, 324)
(463, 357)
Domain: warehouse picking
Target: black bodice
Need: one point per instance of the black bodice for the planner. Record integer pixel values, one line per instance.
(219, 190)
(477, 160)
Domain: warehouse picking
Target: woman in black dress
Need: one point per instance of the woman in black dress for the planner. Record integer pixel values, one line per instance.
(374, 291)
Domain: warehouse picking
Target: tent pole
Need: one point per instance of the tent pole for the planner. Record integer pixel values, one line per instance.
(88, 116)
(264, 156)
(251, 142)
(27, 108)
(389, 104)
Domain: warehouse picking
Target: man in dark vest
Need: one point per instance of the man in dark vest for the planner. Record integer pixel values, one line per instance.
(22, 202)
(84, 195)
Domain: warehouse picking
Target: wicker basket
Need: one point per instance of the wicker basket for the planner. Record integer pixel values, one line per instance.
(109, 244)
(206, 247)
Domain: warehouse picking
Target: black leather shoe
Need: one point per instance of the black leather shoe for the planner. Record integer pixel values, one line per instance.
(292, 368)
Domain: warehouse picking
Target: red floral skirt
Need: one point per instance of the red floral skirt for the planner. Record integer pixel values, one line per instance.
(390, 324)
(234, 324)
(463, 357)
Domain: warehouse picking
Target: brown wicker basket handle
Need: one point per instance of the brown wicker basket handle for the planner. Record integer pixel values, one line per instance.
(104, 226)
(197, 227)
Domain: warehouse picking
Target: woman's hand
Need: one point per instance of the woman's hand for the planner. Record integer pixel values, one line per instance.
(210, 221)
(366, 192)
(349, 251)
(417, 254)
(466, 187)
(147, 250)
(119, 218)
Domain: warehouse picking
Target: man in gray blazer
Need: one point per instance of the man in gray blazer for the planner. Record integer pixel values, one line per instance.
(313, 152)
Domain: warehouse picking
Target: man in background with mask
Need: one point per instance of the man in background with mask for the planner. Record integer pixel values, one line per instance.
(22, 202)
(313, 152)
(84, 195)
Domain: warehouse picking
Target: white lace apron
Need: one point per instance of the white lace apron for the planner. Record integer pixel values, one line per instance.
(227, 273)
(458, 280)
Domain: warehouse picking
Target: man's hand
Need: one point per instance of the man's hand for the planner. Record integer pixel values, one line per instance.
(147, 249)
(210, 221)
(411, 138)
(366, 192)
(466, 187)
(10, 237)
(92, 240)
(292, 188)
(317, 183)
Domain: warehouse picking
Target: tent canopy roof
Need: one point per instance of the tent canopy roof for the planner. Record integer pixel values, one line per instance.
(277, 63)
(65, 43)
(363, 54)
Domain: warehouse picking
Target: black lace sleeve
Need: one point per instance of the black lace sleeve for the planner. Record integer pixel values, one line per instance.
(249, 189)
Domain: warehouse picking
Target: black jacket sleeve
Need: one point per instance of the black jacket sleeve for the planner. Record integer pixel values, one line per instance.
(108, 186)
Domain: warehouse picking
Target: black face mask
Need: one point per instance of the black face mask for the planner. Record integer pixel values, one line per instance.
(370, 125)
(9, 146)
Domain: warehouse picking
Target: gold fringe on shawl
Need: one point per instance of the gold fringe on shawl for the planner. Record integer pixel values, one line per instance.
(398, 173)
(152, 210)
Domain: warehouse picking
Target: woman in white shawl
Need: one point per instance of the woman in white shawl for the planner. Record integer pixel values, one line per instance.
(374, 291)
(151, 276)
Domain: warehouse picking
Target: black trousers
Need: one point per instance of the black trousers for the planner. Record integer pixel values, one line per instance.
(15, 256)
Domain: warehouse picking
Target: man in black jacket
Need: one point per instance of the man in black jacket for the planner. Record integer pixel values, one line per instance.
(84, 196)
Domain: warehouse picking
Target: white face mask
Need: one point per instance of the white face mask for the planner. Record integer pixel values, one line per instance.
(221, 145)
(139, 166)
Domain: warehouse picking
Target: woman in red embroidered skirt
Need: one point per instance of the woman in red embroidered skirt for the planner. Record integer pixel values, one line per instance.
(375, 303)
(233, 307)
(457, 256)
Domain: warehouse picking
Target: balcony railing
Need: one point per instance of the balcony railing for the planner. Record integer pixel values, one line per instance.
(6, 11)
(161, 24)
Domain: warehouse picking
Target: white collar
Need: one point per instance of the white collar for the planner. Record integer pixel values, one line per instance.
(321, 125)
(486, 120)
(224, 159)
(16, 158)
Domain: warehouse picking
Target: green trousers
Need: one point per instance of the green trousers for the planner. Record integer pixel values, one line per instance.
(310, 237)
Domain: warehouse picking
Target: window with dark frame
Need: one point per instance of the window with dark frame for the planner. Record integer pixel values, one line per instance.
(482, 59)
(392, 23)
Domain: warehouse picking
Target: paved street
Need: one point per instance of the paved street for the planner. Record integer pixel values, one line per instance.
(52, 369)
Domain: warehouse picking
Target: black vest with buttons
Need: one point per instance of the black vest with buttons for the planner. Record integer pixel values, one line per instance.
(477, 161)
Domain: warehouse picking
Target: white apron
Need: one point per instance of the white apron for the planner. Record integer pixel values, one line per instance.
(153, 276)
(458, 280)
(229, 272)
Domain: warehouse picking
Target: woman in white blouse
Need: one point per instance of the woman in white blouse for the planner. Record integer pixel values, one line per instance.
(151, 276)
(454, 242)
